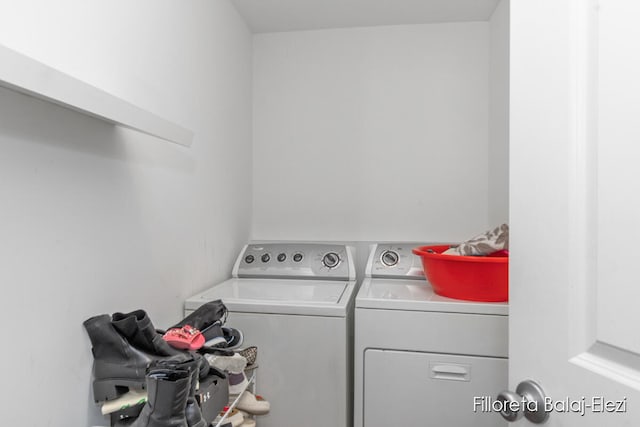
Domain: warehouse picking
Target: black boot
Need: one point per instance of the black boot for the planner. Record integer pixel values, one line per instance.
(168, 391)
(192, 410)
(137, 329)
(117, 365)
(193, 414)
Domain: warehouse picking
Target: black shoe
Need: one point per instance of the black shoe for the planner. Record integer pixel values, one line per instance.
(117, 365)
(229, 338)
(192, 410)
(205, 316)
(168, 392)
(193, 414)
(233, 337)
(137, 329)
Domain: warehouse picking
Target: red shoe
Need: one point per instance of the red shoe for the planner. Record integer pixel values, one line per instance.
(186, 338)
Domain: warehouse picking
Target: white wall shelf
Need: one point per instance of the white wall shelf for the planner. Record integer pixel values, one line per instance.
(28, 76)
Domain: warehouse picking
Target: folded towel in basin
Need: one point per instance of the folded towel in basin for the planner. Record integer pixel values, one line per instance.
(484, 244)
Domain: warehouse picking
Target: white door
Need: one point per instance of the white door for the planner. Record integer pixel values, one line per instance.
(575, 207)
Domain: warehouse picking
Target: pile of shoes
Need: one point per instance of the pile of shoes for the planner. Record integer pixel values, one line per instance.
(247, 404)
(142, 379)
(221, 351)
(204, 329)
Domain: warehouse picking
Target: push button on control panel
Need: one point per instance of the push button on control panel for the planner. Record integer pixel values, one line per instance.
(298, 257)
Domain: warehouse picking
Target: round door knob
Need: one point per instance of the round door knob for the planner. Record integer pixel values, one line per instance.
(528, 400)
(510, 405)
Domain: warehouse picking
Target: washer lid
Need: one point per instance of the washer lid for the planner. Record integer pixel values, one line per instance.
(412, 295)
(286, 296)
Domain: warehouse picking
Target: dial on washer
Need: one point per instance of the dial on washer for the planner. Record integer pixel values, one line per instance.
(389, 258)
(331, 260)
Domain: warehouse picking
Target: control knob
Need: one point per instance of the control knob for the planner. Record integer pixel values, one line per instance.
(265, 258)
(390, 258)
(331, 260)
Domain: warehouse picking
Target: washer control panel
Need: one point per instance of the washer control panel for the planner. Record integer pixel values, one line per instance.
(296, 260)
(394, 260)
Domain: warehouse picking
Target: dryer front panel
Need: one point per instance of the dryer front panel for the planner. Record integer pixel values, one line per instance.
(404, 388)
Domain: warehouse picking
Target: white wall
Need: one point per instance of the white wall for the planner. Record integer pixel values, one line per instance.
(374, 133)
(499, 115)
(96, 219)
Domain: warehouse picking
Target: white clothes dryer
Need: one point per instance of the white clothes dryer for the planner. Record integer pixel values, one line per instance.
(421, 359)
(295, 302)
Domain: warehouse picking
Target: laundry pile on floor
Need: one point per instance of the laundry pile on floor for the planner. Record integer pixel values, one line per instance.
(192, 374)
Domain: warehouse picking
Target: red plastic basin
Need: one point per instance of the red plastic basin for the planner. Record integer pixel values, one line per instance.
(472, 278)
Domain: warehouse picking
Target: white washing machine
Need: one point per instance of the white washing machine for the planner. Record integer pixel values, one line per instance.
(421, 359)
(295, 302)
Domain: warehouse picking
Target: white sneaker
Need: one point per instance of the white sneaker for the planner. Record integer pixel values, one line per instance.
(234, 364)
(255, 405)
(235, 417)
